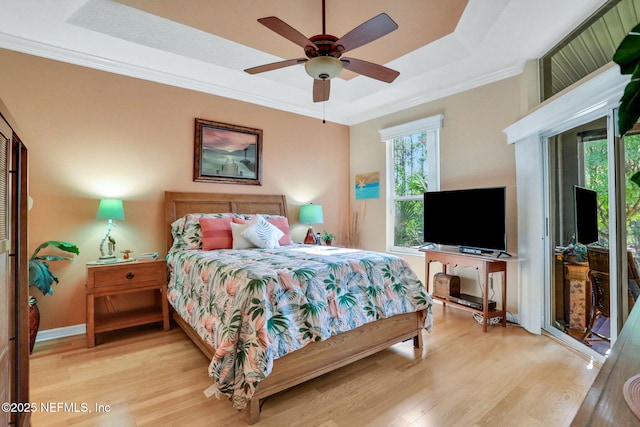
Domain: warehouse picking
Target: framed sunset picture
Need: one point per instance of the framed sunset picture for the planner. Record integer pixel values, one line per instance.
(227, 153)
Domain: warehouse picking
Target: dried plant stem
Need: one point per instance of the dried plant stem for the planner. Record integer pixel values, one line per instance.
(357, 217)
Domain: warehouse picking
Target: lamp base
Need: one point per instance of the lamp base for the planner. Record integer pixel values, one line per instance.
(310, 238)
(106, 257)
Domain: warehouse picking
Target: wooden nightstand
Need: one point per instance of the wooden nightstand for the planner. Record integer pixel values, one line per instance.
(106, 280)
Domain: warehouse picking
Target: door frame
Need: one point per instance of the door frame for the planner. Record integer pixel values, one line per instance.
(600, 90)
(617, 229)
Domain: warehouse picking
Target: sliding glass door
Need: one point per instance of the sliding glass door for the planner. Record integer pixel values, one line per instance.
(593, 236)
(631, 220)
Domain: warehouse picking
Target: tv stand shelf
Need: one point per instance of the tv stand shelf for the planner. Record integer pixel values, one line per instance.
(485, 265)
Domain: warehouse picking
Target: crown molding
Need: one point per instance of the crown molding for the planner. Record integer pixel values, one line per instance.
(590, 97)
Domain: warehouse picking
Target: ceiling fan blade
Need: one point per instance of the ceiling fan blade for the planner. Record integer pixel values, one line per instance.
(321, 89)
(370, 69)
(287, 31)
(275, 65)
(367, 32)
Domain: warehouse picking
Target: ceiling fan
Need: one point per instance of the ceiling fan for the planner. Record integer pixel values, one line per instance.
(323, 52)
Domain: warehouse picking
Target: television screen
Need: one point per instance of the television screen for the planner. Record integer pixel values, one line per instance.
(471, 218)
(586, 215)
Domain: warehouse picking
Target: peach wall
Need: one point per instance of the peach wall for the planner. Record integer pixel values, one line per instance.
(473, 153)
(92, 134)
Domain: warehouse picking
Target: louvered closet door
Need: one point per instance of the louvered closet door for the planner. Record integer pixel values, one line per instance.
(6, 293)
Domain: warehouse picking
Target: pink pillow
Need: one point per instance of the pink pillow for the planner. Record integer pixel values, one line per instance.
(216, 233)
(283, 225)
(281, 222)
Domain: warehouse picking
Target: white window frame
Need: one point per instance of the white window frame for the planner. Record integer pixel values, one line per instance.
(431, 126)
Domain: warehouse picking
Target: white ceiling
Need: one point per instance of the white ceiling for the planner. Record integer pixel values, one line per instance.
(173, 42)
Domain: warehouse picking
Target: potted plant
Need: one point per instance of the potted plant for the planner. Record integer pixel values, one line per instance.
(42, 278)
(327, 238)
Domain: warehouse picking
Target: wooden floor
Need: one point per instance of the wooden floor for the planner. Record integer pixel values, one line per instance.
(463, 377)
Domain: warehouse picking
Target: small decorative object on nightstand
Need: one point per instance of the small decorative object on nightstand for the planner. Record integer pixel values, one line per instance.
(107, 280)
(327, 237)
(311, 214)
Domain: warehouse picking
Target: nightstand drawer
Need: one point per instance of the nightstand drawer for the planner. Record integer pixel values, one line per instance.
(128, 274)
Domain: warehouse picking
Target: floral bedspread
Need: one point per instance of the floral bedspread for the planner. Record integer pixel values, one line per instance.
(255, 305)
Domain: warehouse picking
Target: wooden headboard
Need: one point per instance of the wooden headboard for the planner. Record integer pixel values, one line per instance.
(178, 204)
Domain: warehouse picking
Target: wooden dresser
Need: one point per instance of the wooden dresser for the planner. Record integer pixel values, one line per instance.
(604, 404)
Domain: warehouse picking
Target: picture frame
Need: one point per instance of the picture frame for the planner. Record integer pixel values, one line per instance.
(227, 153)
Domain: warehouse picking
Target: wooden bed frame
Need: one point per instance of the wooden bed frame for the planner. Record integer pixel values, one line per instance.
(316, 358)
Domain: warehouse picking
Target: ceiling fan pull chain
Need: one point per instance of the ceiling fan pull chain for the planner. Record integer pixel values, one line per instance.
(323, 113)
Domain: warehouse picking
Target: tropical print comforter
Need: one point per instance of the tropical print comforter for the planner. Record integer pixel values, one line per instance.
(255, 305)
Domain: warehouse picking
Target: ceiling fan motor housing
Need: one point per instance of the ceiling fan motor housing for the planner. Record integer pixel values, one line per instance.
(324, 46)
(323, 61)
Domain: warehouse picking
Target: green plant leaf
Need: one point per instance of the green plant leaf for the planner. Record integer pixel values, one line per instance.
(41, 277)
(629, 110)
(53, 258)
(63, 246)
(627, 54)
(39, 274)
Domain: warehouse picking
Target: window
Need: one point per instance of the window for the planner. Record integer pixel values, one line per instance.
(589, 47)
(412, 169)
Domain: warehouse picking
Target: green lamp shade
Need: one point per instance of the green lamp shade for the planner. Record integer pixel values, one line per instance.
(110, 209)
(311, 214)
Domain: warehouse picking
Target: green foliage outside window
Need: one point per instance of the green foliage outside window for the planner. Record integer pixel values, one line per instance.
(410, 182)
(596, 178)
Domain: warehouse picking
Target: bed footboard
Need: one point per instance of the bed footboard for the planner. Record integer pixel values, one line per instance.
(321, 357)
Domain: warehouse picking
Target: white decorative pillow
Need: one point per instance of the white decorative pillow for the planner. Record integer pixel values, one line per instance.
(262, 233)
(239, 241)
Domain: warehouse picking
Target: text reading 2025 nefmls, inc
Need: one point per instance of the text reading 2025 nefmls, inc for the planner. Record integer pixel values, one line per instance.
(52, 407)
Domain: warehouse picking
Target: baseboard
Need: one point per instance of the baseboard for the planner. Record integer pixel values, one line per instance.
(67, 331)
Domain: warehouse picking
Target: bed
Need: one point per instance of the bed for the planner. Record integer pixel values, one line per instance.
(289, 356)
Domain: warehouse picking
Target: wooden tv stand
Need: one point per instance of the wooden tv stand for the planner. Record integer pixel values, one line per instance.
(486, 265)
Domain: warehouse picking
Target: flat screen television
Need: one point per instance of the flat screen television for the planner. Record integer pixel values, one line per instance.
(474, 219)
(586, 214)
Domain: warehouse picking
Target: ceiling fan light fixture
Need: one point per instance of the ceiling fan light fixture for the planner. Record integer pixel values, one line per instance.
(324, 52)
(323, 67)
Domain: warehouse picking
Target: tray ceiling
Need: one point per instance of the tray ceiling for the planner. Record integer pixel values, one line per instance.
(440, 48)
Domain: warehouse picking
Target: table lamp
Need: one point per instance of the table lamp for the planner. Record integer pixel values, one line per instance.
(311, 214)
(109, 209)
